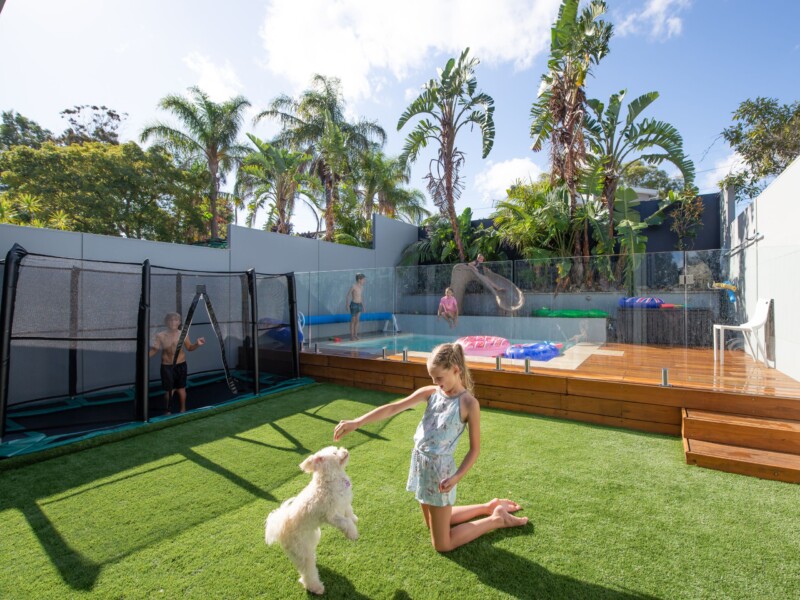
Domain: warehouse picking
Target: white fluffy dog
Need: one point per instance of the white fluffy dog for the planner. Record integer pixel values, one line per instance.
(327, 499)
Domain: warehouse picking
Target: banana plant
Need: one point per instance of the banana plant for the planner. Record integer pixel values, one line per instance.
(630, 228)
(445, 106)
(616, 144)
(440, 247)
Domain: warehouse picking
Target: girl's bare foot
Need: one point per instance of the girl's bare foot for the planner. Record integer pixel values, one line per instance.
(509, 505)
(509, 520)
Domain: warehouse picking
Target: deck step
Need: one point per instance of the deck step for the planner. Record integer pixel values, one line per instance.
(760, 433)
(744, 461)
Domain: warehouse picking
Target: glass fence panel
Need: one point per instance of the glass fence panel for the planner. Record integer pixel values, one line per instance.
(560, 313)
(348, 312)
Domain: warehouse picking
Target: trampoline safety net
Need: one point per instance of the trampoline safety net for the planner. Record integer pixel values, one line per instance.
(74, 353)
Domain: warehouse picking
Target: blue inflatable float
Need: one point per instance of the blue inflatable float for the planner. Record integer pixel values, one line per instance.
(639, 302)
(279, 331)
(536, 351)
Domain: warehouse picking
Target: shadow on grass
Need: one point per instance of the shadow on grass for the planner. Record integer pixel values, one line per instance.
(27, 488)
(338, 586)
(334, 422)
(298, 446)
(521, 578)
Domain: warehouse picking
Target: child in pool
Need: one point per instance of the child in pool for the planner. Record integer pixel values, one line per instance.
(448, 308)
(433, 476)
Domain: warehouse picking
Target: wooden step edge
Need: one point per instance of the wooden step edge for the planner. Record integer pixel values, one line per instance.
(764, 464)
(789, 425)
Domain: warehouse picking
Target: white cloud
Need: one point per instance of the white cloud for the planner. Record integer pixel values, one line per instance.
(496, 178)
(729, 165)
(219, 82)
(411, 94)
(658, 19)
(362, 41)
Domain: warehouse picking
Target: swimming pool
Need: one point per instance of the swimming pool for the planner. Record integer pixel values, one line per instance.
(414, 342)
(397, 343)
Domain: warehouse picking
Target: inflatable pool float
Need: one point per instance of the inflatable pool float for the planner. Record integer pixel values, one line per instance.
(483, 345)
(637, 302)
(535, 351)
(569, 313)
(278, 330)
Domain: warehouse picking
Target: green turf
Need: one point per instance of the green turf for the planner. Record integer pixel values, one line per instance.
(179, 512)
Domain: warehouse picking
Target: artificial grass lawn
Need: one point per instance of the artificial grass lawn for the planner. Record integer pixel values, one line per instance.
(179, 512)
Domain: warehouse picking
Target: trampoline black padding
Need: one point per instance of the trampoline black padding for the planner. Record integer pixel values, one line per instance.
(86, 341)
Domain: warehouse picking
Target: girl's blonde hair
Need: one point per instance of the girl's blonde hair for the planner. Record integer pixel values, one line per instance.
(447, 356)
(448, 290)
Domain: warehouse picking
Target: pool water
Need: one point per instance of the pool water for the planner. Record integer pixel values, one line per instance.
(413, 342)
(396, 344)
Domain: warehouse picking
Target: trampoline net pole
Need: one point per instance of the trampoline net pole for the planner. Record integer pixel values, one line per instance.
(74, 310)
(252, 292)
(13, 259)
(143, 347)
(293, 324)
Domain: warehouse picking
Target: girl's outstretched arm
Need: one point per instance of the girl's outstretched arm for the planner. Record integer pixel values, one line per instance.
(383, 412)
(474, 423)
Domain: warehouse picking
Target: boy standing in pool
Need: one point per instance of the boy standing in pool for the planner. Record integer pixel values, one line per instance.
(173, 376)
(354, 300)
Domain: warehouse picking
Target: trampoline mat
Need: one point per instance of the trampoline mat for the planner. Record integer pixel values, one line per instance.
(34, 427)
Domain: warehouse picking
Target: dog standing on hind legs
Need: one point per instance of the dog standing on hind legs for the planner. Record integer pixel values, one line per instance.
(327, 499)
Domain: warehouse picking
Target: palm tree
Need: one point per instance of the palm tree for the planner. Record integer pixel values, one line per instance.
(209, 135)
(615, 145)
(271, 177)
(578, 41)
(447, 104)
(315, 124)
(381, 178)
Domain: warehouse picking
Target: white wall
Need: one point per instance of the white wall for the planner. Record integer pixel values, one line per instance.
(765, 257)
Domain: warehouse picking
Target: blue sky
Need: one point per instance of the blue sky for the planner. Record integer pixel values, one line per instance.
(703, 56)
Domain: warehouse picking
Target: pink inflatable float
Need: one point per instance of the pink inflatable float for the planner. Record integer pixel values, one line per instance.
(483, 345)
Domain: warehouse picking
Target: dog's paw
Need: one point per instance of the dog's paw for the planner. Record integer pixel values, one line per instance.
(314, 588)
(352, 533)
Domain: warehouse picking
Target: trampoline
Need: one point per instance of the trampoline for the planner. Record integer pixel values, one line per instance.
(74, 357)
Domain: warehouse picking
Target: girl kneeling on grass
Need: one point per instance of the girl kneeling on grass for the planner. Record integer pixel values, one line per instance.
(433, 475)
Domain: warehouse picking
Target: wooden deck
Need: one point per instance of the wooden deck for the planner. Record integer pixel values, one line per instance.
(620, 387)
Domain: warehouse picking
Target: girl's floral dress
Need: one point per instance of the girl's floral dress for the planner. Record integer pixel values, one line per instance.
(434, 445)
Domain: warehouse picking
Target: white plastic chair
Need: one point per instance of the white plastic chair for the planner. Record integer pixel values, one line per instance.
(749, 329)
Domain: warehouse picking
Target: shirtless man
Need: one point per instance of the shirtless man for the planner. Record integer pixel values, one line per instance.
(173, 378)
(354, 300)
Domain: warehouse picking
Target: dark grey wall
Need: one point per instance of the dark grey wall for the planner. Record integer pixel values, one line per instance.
(661, 239)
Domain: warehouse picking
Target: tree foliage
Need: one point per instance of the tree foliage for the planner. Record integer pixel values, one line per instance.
(208, 135)
(445, 105)
(17, 130)
(315, 124)
(616, 145)
(641, 174)
(766, 135)
(91, 123)
(579, 40)
(687, 216)
(103, 188)
(440, 246)
(272, 178)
